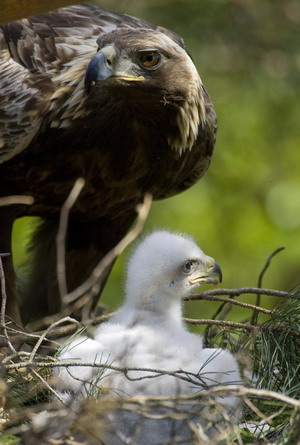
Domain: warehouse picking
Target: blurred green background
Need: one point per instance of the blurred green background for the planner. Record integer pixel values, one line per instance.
(248, 55)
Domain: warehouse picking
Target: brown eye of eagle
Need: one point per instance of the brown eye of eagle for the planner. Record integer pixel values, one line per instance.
(150, 60)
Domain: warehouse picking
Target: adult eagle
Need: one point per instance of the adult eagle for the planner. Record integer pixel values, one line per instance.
(91, 93)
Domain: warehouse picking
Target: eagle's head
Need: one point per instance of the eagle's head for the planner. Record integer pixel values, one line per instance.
(166, 267)
(157, 70)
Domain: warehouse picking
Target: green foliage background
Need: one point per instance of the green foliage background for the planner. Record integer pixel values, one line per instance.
(248, 204)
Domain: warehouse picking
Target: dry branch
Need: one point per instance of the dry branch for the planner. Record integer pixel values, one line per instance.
(92, 281)
(218, 390)
(222, 323)
(221, 390)
(69, 329)
(55, 332)
(82, 295)
(16, 199)
(62, 234)
(36, 364)
(254, 316)
(237, 292)
(245, 326)
(46, 333)
(233, 302)
(3, 306)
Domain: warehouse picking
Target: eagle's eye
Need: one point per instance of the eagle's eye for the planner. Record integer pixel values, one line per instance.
(189, 266)
(150, 60)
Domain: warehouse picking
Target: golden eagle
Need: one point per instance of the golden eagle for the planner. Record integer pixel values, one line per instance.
(87, 92)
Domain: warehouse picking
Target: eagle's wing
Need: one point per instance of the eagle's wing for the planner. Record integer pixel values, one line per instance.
(24, 99)
(42, 63)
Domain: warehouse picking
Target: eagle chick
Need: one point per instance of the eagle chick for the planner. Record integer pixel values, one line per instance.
(147, 338)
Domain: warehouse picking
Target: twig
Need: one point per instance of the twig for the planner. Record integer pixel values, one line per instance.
(49, 387)
(235, 390)
(225, 311)
(239, 291)
(142, 211)
(44, 335)
(208, 328)
(268, 262)
(254, 316)
(206, 295)
(198, 296)
(217, 390)
(247, 327)
(222, 323)
(230, 301)
(255, 409)
(79, 295)
(25, 354)
(3, 304)
(67, 330)
(152, 372)
(254, 392)
(57, 332)
(62, 233)
(19, 337)
(16, 199)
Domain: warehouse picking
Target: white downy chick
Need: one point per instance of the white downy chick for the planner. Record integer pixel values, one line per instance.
(148, 332)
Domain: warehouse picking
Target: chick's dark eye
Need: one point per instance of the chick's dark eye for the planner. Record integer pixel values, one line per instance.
(189, 266)
(150, 60)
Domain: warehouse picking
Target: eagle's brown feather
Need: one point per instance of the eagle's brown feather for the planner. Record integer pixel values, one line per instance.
(125, 138)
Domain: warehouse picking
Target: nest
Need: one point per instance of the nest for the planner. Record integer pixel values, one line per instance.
(33, 411)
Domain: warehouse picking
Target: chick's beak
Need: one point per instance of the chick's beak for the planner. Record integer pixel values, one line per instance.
(210, 273)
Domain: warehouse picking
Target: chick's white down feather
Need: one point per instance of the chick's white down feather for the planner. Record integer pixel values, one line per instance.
(148, 332)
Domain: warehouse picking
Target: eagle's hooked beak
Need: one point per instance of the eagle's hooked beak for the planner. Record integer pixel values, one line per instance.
(103, 66)
(211, 273)
(96, 71)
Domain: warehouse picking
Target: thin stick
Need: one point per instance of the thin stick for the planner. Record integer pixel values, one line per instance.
(142, 211)
(242, 391)
(57, 332)
(254, 409)
(237, 390)
(79, 294)
(236, 325)
(16, 199)
(3, 304)
(49, 387)
(44, 335)
(234, 302)
(62, 233)
(222, 323)
(19, 337)
(239, 291)
(152, 372)
(254, 316)
(208, 329)
(206, 295)
(198, 296)
(265, 268)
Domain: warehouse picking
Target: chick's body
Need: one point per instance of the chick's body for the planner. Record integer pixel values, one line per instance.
(147, 347)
